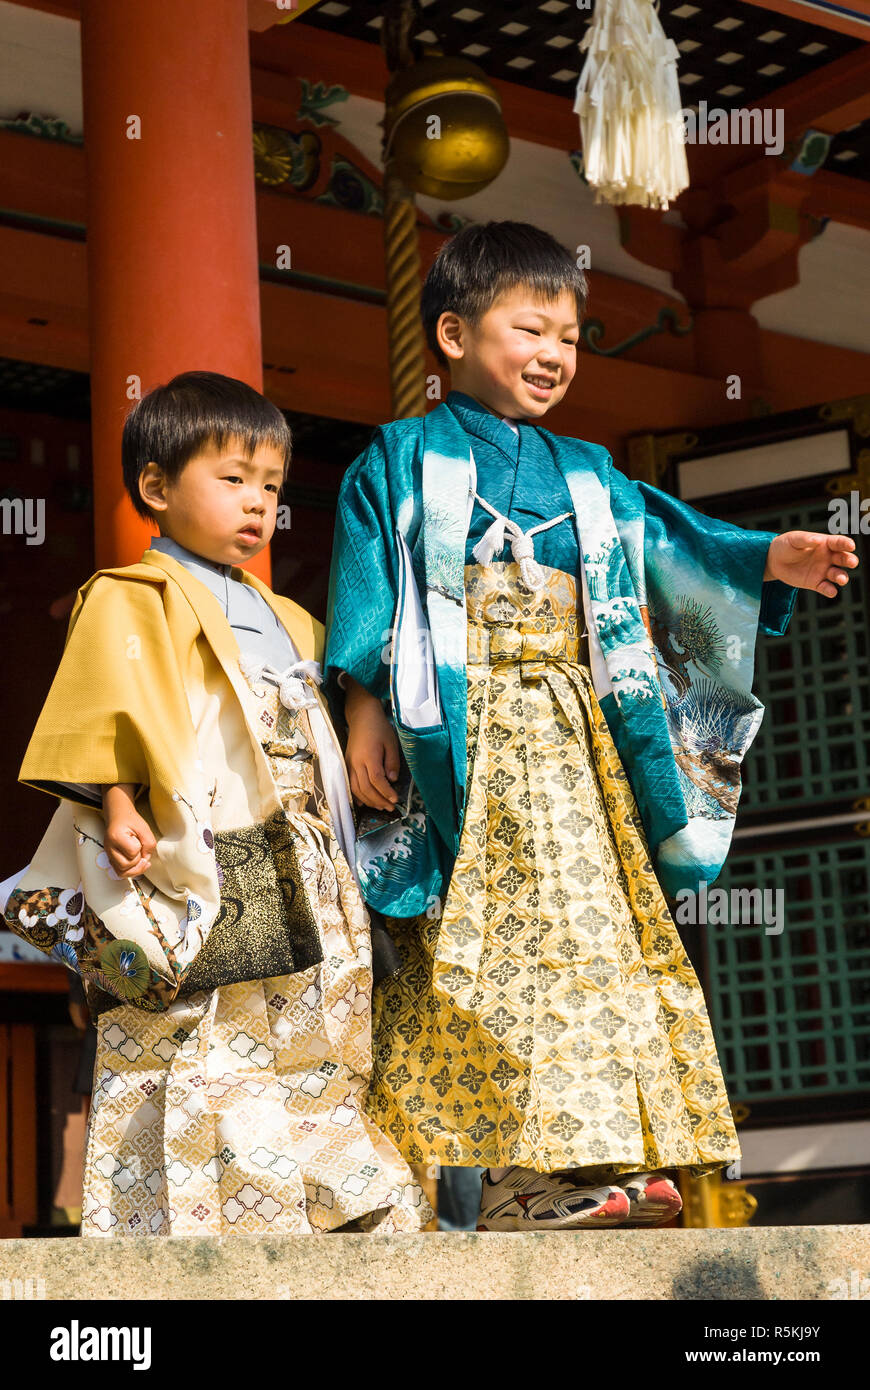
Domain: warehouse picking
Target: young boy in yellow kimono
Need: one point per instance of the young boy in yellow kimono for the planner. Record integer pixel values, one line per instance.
(195, 872)
(567, 660)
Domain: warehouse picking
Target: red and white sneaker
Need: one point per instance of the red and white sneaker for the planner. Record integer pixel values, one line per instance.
(526, 1201)
(654, 1198)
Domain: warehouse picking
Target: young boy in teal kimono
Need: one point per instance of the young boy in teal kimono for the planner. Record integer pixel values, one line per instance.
(573, 715)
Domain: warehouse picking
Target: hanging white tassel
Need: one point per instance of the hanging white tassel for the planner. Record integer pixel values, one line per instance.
(522, 548)
(491, 542)
(628, 100)
(522, 543)
(293, 683)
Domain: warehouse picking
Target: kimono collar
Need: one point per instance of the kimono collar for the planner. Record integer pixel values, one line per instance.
(299, 624)
(479, 420)
(215, 576)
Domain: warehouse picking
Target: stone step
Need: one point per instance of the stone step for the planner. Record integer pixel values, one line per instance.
(773, 1262)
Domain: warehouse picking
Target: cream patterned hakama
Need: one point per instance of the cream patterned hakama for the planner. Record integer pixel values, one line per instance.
(549, 1016)
(242, 1108)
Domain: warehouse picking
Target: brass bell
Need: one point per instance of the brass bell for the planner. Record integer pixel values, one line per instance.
(443, 129)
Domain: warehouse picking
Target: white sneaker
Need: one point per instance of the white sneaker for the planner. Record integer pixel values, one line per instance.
(526, 1201)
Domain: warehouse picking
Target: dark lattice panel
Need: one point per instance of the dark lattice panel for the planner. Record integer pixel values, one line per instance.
(850, 151)
(338, 440)
(33, 386)
(791, 1010)
(49, 390)
(533, 44)
(730, 53)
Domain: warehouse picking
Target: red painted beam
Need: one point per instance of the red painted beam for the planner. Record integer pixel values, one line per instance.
(841, 199)
(824, 19)
(262, 14)
(69, 9)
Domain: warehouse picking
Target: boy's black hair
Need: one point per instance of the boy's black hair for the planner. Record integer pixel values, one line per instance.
(484, 260)
(173, 423)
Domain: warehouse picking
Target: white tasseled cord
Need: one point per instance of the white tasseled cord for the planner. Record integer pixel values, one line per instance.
(628, 100)
(522, 545)
(295, 692)
(292, 683)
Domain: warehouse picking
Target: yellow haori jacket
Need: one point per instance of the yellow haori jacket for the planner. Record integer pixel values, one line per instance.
(149, 691)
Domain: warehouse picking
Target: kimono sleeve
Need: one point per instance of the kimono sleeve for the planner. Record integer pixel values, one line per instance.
(363, 580)
(116, 687)
(723, 553)
(777, 602)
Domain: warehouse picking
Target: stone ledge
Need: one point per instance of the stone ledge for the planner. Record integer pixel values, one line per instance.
(773, 1262)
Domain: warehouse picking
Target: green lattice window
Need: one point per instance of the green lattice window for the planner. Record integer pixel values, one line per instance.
(791, 1012)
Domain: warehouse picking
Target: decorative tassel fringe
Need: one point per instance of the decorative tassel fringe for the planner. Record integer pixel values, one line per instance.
(628, 100)
(293, 684)
(491, 542)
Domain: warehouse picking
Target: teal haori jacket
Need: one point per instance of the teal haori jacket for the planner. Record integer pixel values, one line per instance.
(672, 601)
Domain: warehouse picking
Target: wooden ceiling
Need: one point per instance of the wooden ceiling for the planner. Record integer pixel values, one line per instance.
(732, 53)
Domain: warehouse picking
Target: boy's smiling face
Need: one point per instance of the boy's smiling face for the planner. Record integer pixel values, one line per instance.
(223, 505)
(520, 358)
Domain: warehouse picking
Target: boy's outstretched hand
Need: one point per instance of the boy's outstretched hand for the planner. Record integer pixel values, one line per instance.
(128, 842)
(811, 560)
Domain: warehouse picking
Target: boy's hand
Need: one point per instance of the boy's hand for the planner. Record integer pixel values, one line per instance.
(811, 560)
(129, 842)
(79, 1015)
(372, 749)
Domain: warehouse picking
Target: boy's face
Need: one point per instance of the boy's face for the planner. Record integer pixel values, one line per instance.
(520, 358)
(223, 505)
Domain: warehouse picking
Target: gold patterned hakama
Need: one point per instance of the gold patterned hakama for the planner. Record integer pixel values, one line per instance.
(549, 1016)
(242, 1109)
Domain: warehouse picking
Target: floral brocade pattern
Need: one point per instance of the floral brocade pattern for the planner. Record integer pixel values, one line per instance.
(549, 1017)
(242, 1108)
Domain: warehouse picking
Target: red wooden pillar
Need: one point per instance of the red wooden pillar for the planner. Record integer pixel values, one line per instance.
(18, 1196)
(172, 253)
